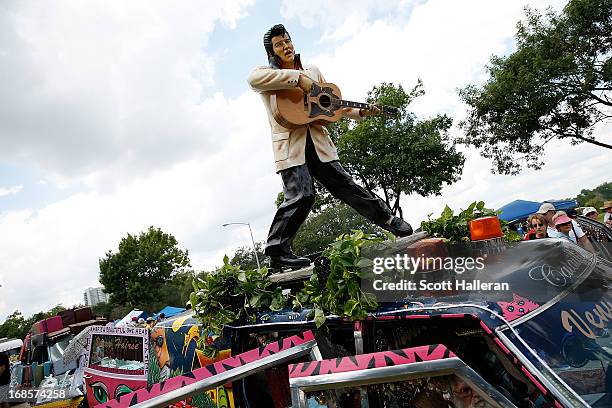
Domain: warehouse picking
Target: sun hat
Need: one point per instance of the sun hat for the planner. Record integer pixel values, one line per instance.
(546, 207)
(587, 210)
(562, 219)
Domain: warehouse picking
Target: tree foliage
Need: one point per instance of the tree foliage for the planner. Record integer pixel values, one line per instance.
(244, 256)
(17, 326)
(595, 197)
(401, 155)
(321, 229)
(136, 273)
(556, 85)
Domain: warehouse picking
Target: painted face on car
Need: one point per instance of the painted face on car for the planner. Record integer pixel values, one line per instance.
(101, 391)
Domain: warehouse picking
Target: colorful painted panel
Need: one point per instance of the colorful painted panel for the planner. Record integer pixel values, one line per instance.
(208, 371)
(367, 361)
(174, 344)
(117, 342)
(102, 387)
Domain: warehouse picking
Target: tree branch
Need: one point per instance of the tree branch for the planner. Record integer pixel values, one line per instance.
(586, 139)
(597, 98)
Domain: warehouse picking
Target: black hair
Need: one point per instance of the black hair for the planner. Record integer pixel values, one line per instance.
(273, 59)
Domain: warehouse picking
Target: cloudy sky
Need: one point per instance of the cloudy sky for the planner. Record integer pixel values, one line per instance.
(116, 115)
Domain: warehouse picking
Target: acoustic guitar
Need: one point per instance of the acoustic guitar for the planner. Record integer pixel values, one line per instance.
(292, 107)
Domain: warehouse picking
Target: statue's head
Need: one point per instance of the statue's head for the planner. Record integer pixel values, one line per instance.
(279, 48)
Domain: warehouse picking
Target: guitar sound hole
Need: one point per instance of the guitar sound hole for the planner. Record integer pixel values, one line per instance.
(325, 101)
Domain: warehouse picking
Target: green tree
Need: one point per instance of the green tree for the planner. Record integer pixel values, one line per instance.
(15, 326)
(135, 274)
(398, 155)
(322, 228)
(177, 290)
(596, 196)
(556, 85)
(244, 257)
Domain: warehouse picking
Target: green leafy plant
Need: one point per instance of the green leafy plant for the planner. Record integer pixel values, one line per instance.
(335, 285)
(456, 228)
(231, 294)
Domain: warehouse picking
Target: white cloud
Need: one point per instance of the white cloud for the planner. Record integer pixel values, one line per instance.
(10, 190)
(93, 86)
(58, 247)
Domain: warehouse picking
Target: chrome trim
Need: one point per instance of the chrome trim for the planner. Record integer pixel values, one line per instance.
(119, 376)
(486, 390)
(377, 375)
(553, 389)
(448, 366)
(538, 373)
(231, 375)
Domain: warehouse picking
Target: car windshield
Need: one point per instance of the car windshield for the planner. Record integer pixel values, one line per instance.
(573, 336)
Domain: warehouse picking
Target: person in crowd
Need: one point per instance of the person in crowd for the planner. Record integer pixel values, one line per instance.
(563, 224)
(548, 211)
(5, 379)
(607, 208)
(590, 212)
(537, 227)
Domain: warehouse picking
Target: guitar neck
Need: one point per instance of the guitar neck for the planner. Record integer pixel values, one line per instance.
(350, 104)
(387, 110)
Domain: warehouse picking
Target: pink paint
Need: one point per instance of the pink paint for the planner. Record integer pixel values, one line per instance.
(518, 307)
(207, 371)
(372, 360)
(558, 405)
(485, 327)
(534, 381)
(501, 345)
(453, 315)
(104, 387)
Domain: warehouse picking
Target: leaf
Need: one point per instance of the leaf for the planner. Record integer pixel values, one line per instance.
(390, 236)
(364, 263)
(350, 306)
(254, 302)
(319, 317)
(242, 277)
(446, 213)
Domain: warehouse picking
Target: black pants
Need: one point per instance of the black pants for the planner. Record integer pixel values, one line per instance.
(299, 190)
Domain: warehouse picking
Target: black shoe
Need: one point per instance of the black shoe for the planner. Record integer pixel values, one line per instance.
(289, 261)
(398, 227)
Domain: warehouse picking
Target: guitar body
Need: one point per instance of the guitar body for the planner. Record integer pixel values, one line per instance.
(292, 108)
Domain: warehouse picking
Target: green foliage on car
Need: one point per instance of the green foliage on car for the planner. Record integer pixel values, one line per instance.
(231, 294)
(335, 285)
(455, 228)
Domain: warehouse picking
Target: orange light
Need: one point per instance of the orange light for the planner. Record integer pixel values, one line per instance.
(485, 228)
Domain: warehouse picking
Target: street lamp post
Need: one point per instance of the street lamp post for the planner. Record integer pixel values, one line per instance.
(252, 240)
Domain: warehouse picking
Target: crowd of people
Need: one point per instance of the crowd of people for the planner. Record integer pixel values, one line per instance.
(550, 223)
